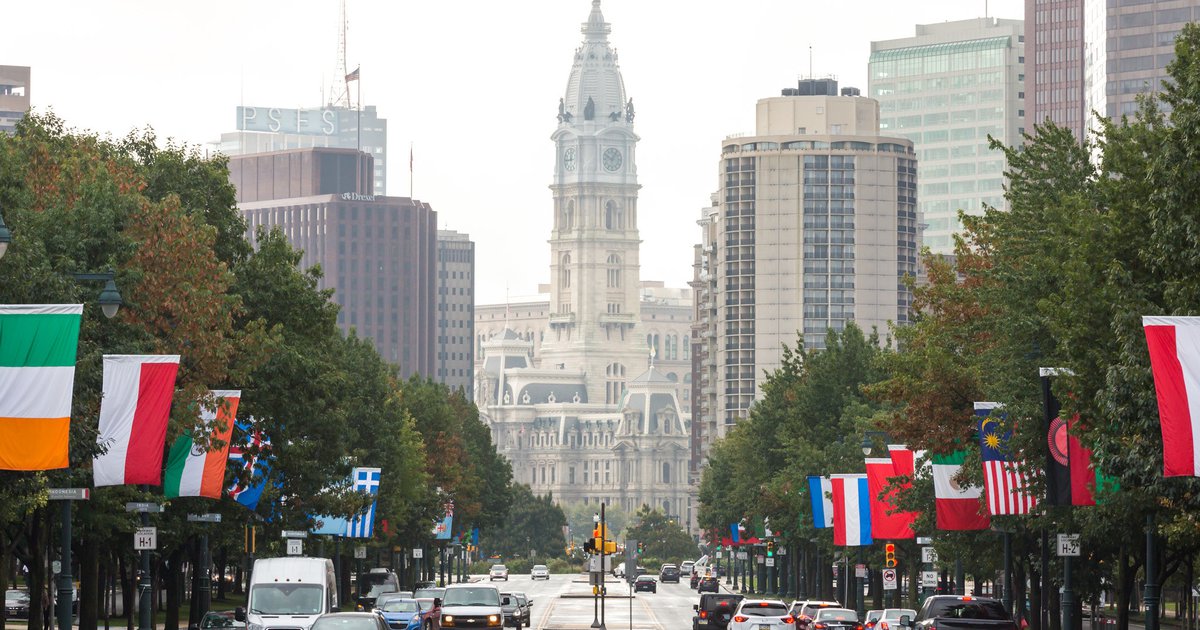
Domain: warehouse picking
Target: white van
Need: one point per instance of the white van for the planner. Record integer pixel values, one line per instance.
(289, 593)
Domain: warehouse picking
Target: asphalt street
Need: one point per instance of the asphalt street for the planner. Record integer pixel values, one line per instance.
(564, 602)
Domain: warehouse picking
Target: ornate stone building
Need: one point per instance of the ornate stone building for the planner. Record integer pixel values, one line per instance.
(572, 386)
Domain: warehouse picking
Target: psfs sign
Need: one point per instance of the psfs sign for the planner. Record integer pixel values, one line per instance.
(310, 122)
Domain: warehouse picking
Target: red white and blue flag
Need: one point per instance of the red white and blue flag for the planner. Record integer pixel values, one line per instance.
(1004, 478)
(254, 468)
(851, 510)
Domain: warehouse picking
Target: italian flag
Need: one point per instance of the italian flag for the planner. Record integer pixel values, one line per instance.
(133, 418)
(958, 508)
(193, 471)
(38, 344)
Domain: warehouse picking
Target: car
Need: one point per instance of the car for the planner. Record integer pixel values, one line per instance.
(539, 572)
(645, 583)
(498, 572)
(959, 612)
(668, 573)
(715, 610)
(694, 580)
(428, 592)
(619, 570)
(709, 583)
(350, 621)
(404, 613)
(836, 619)
(871, 617)
(373, 584)
(471, 605)
(430, 600)
(641, 570)
(761, 614)
(685, 567)
(16, 603)
(511, 608)
(804, 609)
(425, 584)
(214, 619)
(890, 618)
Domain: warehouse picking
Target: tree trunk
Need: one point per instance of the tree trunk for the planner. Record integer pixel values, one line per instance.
(1055, 605)
(38, 604)
(127, 589)
(1019, 588)
(172, 579)
(89, 590)
(1035, 599)
(877, 588)
(6, 559)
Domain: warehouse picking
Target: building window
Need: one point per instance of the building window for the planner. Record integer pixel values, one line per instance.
(613, 218)
(614, 271)
(564, 272)
(615, 383)
(666, 477)
(571, 473)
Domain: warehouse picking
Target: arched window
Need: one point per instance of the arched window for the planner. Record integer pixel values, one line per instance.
(564, 272)
(613, 219)
(614, 271)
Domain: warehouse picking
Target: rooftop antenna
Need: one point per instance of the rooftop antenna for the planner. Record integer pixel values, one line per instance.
(810, 72)
(343, 98)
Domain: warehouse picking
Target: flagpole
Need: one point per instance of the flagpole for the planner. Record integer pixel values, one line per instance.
(358, 81)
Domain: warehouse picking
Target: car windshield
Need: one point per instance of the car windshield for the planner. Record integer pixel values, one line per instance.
(968, 609)
(346, 622)
(499, 567)
(428, 593)
(286, 599)
(399, 606)
(836, 614)
(539, 567)
(216, 620)
(14, 595)
(521, 598)
(373, 584)
(895, 613)
(811, 609)
(471, 596)
(874, 615)
(764, 609)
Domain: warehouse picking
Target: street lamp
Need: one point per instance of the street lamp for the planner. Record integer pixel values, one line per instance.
(5, 237)
(867, 443)
(110, 299)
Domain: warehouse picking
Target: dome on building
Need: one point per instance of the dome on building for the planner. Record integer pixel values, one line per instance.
(650, 406)
(595, 76)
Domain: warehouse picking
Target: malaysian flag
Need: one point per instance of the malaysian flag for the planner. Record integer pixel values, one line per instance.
(363, 525)
(1004, 478)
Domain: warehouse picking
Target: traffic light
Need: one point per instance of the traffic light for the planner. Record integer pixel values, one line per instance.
(589, 544)
(770, 548)
(889, 556)
(641, 548)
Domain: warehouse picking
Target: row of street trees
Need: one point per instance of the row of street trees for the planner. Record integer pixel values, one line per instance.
(165, 219)
(1100, 232)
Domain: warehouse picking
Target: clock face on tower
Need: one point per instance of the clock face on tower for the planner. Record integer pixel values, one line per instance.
(569, 159)
(611, 159)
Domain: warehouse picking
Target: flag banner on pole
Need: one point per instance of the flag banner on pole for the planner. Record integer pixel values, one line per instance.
(353, 76)
(1071, 477)
(255, 467)
(851, 510)
(1004, 479)
(1174, 344)
(362, 525)
(38, 344)
(733, 533)
(886, 522)
(133, 418)
(820, 491)
(194, 472)
(959, 508)
(443, 527)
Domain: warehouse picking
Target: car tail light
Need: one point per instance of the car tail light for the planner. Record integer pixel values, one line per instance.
(741, 618)
(858, 627)
(704, 614)
(789, 619)
(819, 626)
(763, 604)
(883, 625)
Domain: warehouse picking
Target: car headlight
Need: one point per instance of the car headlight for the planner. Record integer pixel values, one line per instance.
(493, 620)
(447, 620)
(253, 626)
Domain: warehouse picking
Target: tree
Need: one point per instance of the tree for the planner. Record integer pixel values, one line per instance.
(534, 523)
(662, 537)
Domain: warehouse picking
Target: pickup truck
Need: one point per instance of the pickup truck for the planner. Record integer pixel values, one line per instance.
(960, 612)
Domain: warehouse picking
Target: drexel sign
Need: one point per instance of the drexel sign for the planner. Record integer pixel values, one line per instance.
(351, 196)
(312, 122)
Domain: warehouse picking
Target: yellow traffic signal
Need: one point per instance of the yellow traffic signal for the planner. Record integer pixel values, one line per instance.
(610, 547)
(770, 548)
(889, 556)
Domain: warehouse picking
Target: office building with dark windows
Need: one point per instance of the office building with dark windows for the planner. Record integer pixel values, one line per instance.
(378, 253)
(455, 311)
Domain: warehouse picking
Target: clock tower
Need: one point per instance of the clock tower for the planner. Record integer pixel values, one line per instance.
(594, 295)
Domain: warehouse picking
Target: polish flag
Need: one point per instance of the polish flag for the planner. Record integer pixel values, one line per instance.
(133, 418)
(1174, 344)
(851, 510)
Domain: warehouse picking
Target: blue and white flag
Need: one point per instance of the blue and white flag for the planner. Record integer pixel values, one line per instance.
(363, 525)
(851, 511)
(820, 490)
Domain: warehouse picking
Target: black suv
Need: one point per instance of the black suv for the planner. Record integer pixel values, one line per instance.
(714, 611)
(668, 573)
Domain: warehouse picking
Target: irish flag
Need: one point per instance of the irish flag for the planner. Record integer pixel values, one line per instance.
(38, 343)
(133, 418)
(958, 507)
(1174, 344)
(193, 471)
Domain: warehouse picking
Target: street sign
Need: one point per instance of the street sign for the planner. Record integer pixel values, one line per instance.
(860, 570)
(293, 533)
(1068, 545)
(594, 564)
(143, 506)
(70, 494)
(56, 567)
(204, 518)
(770, 562)
(295, 547)
(360, 552)
(782, 551)
(924, 540)
(759, 559)
(418, 553)
(719, 555)
(145, 539)
(742, 555)
(929, 579)
(929, 555)
(889, 579)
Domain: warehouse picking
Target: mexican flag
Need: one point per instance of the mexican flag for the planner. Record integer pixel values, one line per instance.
(194, 472)
(958, 508)
(38, 344)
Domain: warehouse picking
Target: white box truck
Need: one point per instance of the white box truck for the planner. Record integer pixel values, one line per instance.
(289, 593)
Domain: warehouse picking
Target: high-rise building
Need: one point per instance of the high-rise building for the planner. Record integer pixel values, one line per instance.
(588, 406)
(949, 88)
(270, 129)
(377, 253)
(455, 310)
(1096, 56)
(14, 96)
(816, 226)
(704, 335)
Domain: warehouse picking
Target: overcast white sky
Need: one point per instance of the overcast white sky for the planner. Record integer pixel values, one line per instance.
(472, 84)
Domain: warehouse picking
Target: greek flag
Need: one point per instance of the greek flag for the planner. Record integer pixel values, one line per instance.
(363, 525)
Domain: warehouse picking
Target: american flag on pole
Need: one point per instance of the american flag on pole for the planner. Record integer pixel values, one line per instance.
(1005, 479)
(363, 524)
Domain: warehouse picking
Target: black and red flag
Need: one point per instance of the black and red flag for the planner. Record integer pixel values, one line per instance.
(1070, 477)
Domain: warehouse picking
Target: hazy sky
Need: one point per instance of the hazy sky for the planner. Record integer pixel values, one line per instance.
(472, 84)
